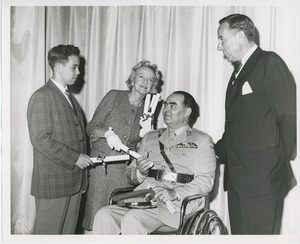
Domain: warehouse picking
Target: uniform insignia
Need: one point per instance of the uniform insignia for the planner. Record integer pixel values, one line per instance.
(187, 145)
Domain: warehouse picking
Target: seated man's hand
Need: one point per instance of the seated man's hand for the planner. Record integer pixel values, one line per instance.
(163, 194)
(83, 161)
(143, 165)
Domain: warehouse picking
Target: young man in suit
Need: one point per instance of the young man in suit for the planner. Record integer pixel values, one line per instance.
(57, 133)
(260, 129)
(191, 156)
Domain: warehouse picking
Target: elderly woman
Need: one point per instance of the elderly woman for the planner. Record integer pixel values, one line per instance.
(120, 110)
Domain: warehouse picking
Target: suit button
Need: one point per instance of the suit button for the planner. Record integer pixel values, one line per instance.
(227, 120)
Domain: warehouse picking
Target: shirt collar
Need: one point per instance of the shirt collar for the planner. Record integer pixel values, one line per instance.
(246, 57)
(179, 130)
(59, 86)
(248, 54)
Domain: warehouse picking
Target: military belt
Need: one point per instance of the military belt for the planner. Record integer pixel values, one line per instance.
(161, 175)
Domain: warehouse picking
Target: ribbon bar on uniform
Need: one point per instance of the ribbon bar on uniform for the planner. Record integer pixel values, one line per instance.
(160, 175)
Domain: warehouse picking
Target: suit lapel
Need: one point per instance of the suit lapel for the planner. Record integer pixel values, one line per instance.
(60, 95)
(248, 67)
(64, 99)
(66, 104)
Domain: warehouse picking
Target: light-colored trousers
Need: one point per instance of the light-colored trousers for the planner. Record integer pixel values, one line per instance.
(113, 220)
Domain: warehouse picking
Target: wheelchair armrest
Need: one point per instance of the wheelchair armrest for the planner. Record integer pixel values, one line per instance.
(120, 190)
(189, 199)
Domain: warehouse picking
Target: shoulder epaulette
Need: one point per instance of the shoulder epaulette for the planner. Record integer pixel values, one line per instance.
(160, 131)
(200, 131)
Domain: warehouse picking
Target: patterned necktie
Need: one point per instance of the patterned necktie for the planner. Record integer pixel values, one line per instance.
(73, 107)
(71, 100)
(237, 66)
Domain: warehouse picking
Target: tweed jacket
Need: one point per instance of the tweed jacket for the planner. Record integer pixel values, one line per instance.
(58, 137)
(260, 125)
(115, 111)
(198, 160)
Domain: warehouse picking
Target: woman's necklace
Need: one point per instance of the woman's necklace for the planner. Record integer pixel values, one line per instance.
(135, 103)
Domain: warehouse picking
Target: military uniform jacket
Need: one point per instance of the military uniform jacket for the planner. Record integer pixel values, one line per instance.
(260, 126)
(58, 137)
(191, 152)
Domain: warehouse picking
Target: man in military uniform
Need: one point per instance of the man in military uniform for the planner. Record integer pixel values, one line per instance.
(179, 161)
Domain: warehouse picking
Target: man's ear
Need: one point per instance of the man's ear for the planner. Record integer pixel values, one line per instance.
(188, 112)
(241, 35)
(57, 67)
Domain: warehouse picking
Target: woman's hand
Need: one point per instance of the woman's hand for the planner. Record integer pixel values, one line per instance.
(113, 140)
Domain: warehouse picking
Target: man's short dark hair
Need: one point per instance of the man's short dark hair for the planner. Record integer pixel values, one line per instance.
(61, 53)
(240, 22)
(190, 102)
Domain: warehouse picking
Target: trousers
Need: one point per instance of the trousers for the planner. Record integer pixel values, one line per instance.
(255, 214)
(115, 220)
(57, 216)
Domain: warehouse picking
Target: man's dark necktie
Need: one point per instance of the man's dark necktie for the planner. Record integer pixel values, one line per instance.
(71, 100)
(237, 66)
(73, 106)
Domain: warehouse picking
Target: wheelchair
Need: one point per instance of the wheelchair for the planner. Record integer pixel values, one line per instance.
(202, 222)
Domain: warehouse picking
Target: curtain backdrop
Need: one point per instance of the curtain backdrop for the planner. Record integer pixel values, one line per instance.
(181, 40)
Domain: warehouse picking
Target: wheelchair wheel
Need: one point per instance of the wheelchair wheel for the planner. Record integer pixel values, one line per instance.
(189, 225)
(204, 223)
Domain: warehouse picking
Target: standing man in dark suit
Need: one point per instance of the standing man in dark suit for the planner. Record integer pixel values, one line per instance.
(57, 133)
(260, 129)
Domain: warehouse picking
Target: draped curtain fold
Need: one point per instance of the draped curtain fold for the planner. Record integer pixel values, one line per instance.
(27, 75)
(181, 40)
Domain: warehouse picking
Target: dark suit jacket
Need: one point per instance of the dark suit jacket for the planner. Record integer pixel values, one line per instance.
(260, 127)
(57, 137)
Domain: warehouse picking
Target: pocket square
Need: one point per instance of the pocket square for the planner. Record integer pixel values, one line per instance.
(246, 88)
